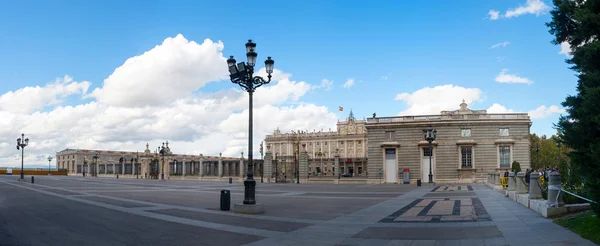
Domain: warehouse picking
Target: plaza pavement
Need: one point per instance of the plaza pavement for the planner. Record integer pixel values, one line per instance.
(108, 211)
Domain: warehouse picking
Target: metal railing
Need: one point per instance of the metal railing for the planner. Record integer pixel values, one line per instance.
(511, 116)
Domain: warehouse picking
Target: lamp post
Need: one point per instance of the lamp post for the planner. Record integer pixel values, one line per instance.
(96, 156)
(49, 160)
(243, 75)
(22, 142)
(162, 151)
(537, 153)
(263, 161)
(429, 135)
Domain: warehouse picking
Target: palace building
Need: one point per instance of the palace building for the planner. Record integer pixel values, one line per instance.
(469, 144)
(349, 140)
(152, 165)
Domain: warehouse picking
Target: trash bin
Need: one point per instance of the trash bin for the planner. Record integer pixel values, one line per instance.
(406, 176)
(225, 200)
(230, 180)
(418, 182)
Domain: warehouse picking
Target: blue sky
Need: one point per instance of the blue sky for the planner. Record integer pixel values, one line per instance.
(386, 47)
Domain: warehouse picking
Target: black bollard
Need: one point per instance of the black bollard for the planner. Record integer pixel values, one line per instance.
(32, 180)
(117, 176)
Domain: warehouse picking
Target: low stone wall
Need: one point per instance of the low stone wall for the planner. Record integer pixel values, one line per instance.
(34, 172)
(530, 197)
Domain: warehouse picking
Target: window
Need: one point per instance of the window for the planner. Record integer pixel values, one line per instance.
(427, 152)
(465, 132)
(389, 134)
(466, 156)
(504, 153)
(390, 154)
(504, 132)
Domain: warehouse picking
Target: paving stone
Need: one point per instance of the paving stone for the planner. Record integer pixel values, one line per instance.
(423, 243)
(442, 208)
(467, 211)
(400, 243)
(424, 203)
(234, 220)
(413, 212)
(471, 242)
(447, 243)
(466, 202)
(495, 241)
(439, 233)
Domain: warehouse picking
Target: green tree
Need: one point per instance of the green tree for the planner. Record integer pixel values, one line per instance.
(577, 22)
(516, 167)
(545, 152)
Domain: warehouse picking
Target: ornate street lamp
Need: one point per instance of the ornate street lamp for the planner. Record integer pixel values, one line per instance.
(429, 135)
(243, 75)
(95, 157)
(162, 151)
(22, 142)
(49, 160)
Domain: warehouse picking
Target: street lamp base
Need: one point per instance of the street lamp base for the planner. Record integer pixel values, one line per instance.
(249, 191)
(430, 178)
(257, 208)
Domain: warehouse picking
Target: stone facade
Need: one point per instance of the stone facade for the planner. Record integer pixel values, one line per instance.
(469, 144)
(349, 140)
(151, 165)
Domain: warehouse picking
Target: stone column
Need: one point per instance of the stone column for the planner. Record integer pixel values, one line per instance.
(336, 158)
(201, 171)
(268, 165)
(123, 168)
(554, 187)
(535, 192)
(521, 188)
(220, 165)
(511, 182)
(303, 165)
(498, 177)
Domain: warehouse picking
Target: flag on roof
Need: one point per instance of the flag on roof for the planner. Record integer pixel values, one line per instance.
(340, 108)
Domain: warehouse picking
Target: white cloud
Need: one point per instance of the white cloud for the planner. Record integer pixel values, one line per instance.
(500, 58)
(565, 49)
(171, 70)
(498, 109)
(384, 77)
(447, 97)
(536, 7)
(503, 77)
(538, 113)
(30, 99)
(326, 84)
(494, 15)
(349, 83)
(543, 111)
(503, 44)
(194, 123)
